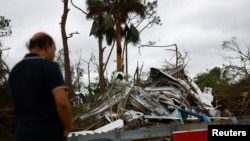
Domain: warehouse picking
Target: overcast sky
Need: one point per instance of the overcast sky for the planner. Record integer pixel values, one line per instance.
(198, 27)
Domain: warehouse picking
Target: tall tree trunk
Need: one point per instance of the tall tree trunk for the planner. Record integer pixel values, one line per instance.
(106, 63)
(126, 56)
(118, 38)
(68, 78)
(101, 68)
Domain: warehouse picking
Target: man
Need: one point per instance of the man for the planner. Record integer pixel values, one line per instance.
(43, 112)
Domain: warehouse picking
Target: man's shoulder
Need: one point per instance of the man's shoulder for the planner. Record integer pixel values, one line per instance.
(34, 64)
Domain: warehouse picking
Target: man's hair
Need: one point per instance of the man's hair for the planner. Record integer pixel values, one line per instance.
(41, 41)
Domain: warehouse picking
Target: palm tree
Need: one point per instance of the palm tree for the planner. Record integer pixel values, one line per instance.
(131, 35)
(119, 10)
(102, 27)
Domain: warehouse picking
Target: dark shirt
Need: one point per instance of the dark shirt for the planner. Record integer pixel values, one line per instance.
(32, 82)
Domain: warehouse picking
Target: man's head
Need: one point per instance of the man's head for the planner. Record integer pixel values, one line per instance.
(42, 44)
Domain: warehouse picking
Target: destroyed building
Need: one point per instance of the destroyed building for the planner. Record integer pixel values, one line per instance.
(167, 99)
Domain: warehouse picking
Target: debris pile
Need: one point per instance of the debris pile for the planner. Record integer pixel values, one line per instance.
(168, 98)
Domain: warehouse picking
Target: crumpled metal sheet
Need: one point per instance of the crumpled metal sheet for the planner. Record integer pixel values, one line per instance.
(160, 100)
(106, 104)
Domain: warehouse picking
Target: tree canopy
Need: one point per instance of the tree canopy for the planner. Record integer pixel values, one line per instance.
(116, 13)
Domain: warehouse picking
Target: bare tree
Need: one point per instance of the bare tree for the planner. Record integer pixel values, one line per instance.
(7, 121)
(66, 51)
(239, 59)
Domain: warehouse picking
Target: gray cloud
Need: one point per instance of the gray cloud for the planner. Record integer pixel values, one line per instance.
(197, 26)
